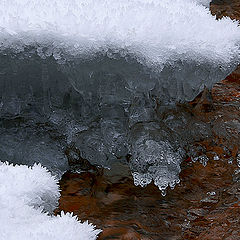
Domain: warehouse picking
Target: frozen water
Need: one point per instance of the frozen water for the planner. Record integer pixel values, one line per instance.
(156, 155)
(21, 145)
(203, 2)
(159, 30)
(27, 198)
(179, 40)
(32, 186)
(33, 150)
(99, 75)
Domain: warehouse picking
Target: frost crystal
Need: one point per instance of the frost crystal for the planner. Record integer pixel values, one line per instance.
(27, 197)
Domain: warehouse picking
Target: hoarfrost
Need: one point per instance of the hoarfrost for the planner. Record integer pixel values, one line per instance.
(27, 197)
(155, 31)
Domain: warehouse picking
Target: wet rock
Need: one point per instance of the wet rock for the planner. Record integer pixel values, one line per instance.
(76, 162)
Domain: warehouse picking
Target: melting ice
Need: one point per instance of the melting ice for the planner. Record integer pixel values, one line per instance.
(99, 75)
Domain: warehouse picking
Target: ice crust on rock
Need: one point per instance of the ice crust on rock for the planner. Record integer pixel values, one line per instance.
(161, 34)
(159, 30)
(172, 48)
(97, 75)
(28, 195)
(156, 155)
(28, 146)
(203, 2)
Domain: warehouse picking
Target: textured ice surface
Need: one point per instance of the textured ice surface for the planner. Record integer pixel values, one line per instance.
(97, 75)
(156, 155)
(203, 2)
(155, 32)
(27, 196)
(172, 48)
(29, 146)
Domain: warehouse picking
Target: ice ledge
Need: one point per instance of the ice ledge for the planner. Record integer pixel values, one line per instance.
(155, 31)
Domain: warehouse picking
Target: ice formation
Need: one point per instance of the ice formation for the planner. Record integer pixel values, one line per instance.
(203, 2)
(97, 75)
(27, 198)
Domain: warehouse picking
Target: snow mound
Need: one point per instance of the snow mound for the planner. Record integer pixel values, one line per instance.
(155, 31)
(27, 197)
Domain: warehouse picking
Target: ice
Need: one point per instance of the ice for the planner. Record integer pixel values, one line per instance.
(29, 146)
(171, 48)
(155, 32)
(156, 155)
(27, 198)
(103, 77)
(203, 2)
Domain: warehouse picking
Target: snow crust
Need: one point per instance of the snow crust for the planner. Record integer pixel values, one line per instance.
(203, 2)
(28, 195)
(155, 31)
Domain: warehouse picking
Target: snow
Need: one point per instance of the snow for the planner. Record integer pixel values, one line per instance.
(156, 31)
(28, 195)
(203, 2)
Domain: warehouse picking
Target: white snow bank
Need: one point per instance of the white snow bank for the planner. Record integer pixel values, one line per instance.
(26, 193)
(156, 31)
